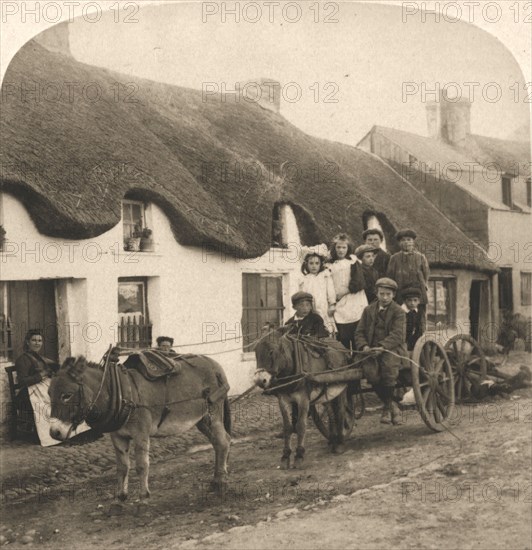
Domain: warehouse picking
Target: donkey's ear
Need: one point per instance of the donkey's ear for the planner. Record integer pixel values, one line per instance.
(77, 368)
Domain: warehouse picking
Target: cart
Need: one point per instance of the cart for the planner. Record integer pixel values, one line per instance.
(430, 374)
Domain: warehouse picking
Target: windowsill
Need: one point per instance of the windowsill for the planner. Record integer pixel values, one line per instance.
(248, 356)
(138, 252)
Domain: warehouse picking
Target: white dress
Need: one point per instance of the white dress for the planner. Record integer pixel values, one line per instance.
(322, 289)
(349, 306)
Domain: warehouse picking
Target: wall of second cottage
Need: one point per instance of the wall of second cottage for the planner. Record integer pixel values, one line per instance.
(510, 248)
(193, 295)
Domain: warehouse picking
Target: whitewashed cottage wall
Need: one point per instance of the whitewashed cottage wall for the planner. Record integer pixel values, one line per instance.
(193, 295)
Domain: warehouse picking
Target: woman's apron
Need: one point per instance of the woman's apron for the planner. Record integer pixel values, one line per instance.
(40, 403)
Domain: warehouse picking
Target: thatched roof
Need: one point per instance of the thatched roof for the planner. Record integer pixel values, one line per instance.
(71, 161)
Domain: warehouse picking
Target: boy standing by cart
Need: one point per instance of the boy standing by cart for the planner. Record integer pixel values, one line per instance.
(409, 268)
(382, 330)
(415, 320)
(374, 237)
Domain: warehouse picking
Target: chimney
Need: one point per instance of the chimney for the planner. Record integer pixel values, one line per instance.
(449, 119)
(264, 91)
(455, 120)
(55, 38)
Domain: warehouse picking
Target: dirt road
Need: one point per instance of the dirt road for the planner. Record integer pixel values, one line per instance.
(400, 487)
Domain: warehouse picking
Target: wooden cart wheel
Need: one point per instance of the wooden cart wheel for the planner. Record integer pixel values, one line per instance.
(432, 381)
(468, 362)
(321, 418)
(357, 399)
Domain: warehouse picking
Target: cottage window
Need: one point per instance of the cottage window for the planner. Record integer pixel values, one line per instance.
(441, 305)
(526, 284)
(132, 214)
(262, 304)
(6, 326)
(507, 191)
(134, 327)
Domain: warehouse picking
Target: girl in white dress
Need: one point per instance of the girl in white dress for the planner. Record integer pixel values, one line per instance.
(349, 305)
(317, 280)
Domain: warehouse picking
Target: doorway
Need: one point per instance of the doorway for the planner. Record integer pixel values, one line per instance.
(478, 308)
(31, 304)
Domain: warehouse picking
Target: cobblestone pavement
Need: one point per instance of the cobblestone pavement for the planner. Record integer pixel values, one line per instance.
(28, 468)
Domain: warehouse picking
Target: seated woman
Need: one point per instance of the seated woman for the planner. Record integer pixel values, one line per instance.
(34, 372)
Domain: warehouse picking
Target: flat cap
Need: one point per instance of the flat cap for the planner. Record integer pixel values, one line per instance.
(411, 293)
(385, 282)
(165, 339)
(405, 233)
(300, 296)
(362, 249)
(373, 231)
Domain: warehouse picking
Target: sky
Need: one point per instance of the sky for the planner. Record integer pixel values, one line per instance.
(346, 75)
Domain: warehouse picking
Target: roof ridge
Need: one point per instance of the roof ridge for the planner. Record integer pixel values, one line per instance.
(431, 204)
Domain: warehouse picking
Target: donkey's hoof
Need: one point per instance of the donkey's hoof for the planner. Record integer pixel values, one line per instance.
(299, 463)
(338, 449)
(219, 486)
(116, 509)
(285, 463)
(142, 508)
(122, 496)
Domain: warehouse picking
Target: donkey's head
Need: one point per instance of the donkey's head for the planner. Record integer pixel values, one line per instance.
(69, 396)
(274, 358)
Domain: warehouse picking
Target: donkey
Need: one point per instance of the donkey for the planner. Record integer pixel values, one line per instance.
(123, 402)
(276, 365)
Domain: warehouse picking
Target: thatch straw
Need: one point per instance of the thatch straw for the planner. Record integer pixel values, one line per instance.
(72, 162)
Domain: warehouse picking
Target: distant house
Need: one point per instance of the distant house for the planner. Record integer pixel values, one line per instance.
(231, 191)
(481, 184)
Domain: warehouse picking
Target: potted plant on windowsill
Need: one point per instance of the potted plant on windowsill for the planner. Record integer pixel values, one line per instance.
(146, 240)
(133, 243)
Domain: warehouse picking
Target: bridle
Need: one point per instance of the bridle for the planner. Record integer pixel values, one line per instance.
(84, 415)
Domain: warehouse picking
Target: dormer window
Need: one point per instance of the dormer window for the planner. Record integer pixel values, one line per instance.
(507, 191)
(137, 234)
(284, 227)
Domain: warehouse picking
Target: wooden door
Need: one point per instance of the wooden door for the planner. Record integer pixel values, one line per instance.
(32, 305)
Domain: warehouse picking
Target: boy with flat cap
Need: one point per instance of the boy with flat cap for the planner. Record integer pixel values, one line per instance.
(409, 268)
(415, 320)
(374, 237)
(366, 254)
(382, 329)
(306, 322)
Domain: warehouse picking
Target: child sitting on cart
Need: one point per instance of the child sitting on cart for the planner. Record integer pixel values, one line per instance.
(415, 319)
(306, 323)
(382, 330)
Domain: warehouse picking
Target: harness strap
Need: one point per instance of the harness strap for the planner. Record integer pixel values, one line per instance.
(166, 408)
